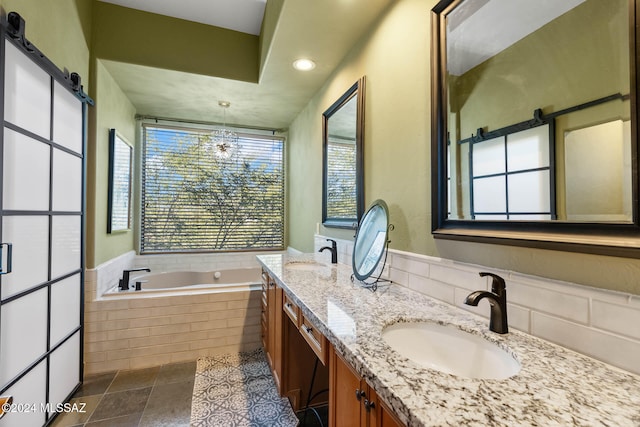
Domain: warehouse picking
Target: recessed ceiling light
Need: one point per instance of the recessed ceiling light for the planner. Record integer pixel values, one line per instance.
(304, 64)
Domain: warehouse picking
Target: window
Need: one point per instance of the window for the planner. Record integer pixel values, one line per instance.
(193, 200)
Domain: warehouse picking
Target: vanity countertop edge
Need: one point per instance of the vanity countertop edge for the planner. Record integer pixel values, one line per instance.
(555, 386)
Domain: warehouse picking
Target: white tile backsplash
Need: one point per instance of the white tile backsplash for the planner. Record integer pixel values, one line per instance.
(616, 318)
(613, 349)
(560, 304)
(599, 323)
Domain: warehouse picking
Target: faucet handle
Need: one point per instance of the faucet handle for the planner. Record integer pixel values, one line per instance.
(498, 285)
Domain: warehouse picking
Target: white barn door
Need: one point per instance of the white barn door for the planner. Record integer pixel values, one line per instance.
(41, 230)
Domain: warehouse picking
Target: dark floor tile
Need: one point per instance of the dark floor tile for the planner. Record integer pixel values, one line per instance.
(139, 378)
(121, 403)
(87, 404)
(95, 384)
(131, 420)
(176, 372)
(169, 405)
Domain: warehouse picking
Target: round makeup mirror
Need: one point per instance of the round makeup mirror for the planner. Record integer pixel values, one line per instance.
(371, 240)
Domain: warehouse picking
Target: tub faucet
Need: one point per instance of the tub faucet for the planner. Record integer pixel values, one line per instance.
(498, 301)
(123, 284)
(333, 249)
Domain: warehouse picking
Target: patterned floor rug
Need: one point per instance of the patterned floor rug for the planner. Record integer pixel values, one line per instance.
(237, 391)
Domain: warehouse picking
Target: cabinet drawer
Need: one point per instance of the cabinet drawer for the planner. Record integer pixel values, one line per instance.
(315, 339)
(292, 310)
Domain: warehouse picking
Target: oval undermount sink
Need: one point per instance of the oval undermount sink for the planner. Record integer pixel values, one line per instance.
(449, 349)
(305, 266)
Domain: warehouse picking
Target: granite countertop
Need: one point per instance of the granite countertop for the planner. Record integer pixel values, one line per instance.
(555, 386)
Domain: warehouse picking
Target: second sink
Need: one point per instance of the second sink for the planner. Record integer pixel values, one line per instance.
(449, 349)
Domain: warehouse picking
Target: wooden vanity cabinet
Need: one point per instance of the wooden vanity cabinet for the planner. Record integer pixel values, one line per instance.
(272, 317)
(352, 401)
(303, 344)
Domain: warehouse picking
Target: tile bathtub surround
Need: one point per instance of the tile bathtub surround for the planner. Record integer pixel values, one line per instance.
(555, 386)
(142, 332)
(599, 323)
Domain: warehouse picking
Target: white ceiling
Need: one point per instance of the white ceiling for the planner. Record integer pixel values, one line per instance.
(239, 15)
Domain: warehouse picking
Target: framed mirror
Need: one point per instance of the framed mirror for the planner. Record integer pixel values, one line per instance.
(534, 124)
(371, 240)
(119, 195)
(342, 176)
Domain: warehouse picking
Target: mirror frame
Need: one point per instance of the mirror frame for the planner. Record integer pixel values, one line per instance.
(622, 239)
(112, 198)
(358, 88)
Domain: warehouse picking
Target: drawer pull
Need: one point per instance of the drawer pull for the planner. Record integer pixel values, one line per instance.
(360, 394)
(309, 329)
(369, 405)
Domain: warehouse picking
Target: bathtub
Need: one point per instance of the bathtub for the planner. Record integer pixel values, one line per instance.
(191, 282)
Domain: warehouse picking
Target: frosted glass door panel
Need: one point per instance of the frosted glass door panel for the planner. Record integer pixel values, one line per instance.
(529, 192)
(30, 238)
(65, 308)
(67, 182)
(29, 189)
(528, 149)
(67, 119)
(30, 389)
(64, 371)
(489, 194)
(488, 157)
(24, 333)
(65, 256)
(27, 93)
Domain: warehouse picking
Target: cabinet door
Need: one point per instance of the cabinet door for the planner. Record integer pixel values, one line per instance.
(273, 314)
(345, 395)
(275, 334)
(379, 413)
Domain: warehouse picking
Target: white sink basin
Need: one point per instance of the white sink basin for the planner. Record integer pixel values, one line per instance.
(451, 350)
(305, 266)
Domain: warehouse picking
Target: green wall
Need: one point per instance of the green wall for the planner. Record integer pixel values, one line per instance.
(136, 37)
(114, 110)
(394, 56)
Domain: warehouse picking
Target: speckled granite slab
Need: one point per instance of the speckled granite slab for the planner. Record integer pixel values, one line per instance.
(555, 386)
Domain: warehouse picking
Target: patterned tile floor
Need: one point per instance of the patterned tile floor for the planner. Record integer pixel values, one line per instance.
(153, 397)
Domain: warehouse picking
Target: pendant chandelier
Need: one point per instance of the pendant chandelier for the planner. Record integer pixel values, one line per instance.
(224, 141)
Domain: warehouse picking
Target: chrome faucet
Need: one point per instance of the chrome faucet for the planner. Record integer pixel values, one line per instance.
(498, 301)
(333, 249)
(123, 284)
